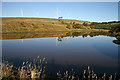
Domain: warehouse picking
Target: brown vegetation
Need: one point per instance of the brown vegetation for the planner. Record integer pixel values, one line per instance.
(10, 25)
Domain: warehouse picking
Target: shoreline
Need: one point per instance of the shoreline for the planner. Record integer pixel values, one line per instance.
(81, 30)
(45, 34)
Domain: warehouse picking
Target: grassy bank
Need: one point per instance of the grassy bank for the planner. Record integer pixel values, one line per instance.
(23, 25)
(36, 24)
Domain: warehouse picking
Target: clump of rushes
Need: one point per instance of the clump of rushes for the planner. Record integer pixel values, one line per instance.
(28, 70)
(87, 74)
(7, 69)
(36, 70)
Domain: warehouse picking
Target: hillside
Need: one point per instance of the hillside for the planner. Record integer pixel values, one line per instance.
(21, 24)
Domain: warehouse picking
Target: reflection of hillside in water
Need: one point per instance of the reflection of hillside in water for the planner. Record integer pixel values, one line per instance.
(6, 36)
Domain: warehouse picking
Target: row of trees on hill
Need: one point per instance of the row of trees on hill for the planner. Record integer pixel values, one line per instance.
(113, 26)
(105, 25)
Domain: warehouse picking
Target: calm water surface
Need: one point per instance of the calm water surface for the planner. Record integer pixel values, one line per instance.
(99, 52)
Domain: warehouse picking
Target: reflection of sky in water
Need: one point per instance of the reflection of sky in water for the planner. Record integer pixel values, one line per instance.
(98, 51)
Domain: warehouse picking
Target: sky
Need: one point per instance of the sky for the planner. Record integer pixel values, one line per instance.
(87, 11)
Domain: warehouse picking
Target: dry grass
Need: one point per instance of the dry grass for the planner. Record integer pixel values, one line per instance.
(35, 24)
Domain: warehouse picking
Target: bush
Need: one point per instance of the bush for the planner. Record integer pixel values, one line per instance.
(68, 26)
(115, 28)
(78, 26)
(62, 22)
(85, 24)
(73, 22)
(100, 26)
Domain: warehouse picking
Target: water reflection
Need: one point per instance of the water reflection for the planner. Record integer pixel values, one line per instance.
(66, 50)
(59, 35)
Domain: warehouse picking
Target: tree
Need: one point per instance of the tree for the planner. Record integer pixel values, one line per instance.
(60, 17)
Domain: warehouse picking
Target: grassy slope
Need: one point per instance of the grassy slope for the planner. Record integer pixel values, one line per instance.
(35, 24)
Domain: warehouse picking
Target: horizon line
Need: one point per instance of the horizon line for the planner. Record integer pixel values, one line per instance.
(51, 18)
